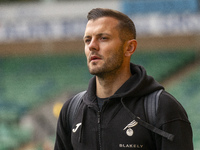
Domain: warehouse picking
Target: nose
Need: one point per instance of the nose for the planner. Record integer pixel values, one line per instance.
(93, 46)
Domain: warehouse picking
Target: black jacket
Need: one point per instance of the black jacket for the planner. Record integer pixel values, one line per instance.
(113, 128)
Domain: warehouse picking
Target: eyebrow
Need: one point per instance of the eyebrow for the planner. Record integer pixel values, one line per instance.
(98, 35)
(85, 37)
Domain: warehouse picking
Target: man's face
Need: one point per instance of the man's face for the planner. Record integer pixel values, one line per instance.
(103, 47)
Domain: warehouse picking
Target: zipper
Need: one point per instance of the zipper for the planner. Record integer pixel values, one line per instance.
(99, 128)
(99, 124)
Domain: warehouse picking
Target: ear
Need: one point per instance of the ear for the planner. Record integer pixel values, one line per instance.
(130, 47)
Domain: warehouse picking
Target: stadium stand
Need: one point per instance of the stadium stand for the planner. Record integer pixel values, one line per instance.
(33, 80)
(30, 79)
(169, 61)
(187, 92)
(12, 136)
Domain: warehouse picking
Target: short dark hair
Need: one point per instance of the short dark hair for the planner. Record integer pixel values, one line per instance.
(126, 26)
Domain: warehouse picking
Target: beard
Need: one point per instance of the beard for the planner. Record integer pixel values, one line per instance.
(110, 65)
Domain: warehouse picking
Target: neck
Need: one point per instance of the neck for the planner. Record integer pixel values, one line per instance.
(107, 85)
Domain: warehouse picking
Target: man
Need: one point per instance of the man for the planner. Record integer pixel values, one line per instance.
(111, 115)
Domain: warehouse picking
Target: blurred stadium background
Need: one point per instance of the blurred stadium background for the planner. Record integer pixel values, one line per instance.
(42, 60)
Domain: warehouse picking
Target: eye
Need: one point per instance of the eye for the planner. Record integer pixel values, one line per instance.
(87, 40)
(104, 38)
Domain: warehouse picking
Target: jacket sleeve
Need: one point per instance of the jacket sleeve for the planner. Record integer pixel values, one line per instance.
(172, 118)
(63, 136)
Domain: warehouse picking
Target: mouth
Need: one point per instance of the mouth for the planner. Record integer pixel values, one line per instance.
(94, 58)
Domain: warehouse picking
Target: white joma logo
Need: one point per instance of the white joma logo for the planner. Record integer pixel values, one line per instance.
(77, 126)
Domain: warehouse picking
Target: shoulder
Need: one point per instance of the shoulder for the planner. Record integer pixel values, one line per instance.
(71, 104)
(64, 109)
(169, 109)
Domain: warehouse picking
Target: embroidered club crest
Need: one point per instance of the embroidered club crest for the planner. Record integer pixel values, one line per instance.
(130, 131)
